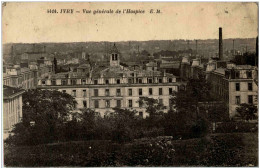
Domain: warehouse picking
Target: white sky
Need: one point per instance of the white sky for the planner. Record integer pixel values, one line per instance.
(30, 23)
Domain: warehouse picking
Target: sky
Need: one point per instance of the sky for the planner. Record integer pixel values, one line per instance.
(29, 22)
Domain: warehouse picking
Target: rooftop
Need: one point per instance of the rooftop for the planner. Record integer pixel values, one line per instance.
(9, 92)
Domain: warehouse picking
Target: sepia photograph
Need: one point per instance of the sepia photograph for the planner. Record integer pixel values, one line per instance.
(130, 84)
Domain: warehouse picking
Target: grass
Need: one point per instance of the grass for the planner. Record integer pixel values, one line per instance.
(229, 149)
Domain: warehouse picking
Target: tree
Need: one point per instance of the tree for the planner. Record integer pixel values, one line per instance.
(153, 106)
(247, 111)
(44, 115)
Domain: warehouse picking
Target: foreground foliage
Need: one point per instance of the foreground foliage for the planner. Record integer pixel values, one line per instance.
(215, 150)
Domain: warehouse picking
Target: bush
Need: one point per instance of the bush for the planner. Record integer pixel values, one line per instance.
(229, 127)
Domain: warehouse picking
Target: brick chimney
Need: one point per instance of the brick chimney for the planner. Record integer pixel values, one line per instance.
(220, 44)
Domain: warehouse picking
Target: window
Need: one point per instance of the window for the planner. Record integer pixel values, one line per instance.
(112, 56)
(150, 91)
(170, 91)
(130, 103)
(73, 82)
(83, 81)
(63, 82)
(53, 82)
(237, 74)
(250, 99)
(118, 81)
(95, 92)
(161, 101)
(130, 81)
(160, 91)
(95, 82)
(140, 103)
(140, 92)
(115, 56)
(84, 103)
(107, 92)
(118, 103)
(107, 81)
(237, 86)
(140, 81)
(237, 99)
(249, 74)
(96, 104)
(130, 92)
(63, 91)
(150, 80)
(118, 92)
(141, 114)
(250, 86)
(74, 93)
(43, 82)
(107, 103)
(84, 93)
(170, 80)
(160, 80)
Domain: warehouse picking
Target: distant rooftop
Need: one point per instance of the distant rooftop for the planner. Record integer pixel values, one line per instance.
(9, 92)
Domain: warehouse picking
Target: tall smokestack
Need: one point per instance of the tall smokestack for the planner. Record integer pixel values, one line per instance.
(196, 47)
(233, 47)
(220, 44)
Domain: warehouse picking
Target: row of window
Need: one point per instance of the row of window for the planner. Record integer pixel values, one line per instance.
(118, 81)
(118, 92)
(249, 86)
(250, 99)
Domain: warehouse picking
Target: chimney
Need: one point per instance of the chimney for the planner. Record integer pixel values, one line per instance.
(233, 47)
(196, 47)
(44, 49)
(220, 44)
(256, 57)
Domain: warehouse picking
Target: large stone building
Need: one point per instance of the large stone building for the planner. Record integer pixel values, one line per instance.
(12, 107)
(104, 87)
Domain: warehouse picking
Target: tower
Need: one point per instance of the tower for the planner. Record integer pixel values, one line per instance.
(114, 56)
(220, 44)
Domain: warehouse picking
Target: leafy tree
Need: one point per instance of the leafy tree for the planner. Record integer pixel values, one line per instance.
(247, 111)
(153, 106)
(44, 115)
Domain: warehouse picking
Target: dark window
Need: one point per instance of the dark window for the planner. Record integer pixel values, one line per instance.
(250, 86)
(84, 93)
(250, 99)
(237, 74)
(130, 92)
(140, 81)
(118, 81)
(141, 114)
(115, 56)
(170, 91)
(130, 103)
(96, 104)
(249, 74)
(74, 82)
(161, 101)
(140, 92)
(43, 82)
(95, 92)
(83, 81)
(107, 92)
(107, 103)
(130, 81)
(84, 103)
(237, 86)
(160, 80)
(63, 82)
(118, 103)
(118, 92)
(95, 82)
(53, 82)
(63, 91)
(170, 80)
(150, 91)
(150, 80)
(237, 99)
(160, 91)
(140, 104)
(107, 81)
(74, 93)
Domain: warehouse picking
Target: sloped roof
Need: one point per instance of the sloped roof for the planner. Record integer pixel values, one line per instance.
(114, 49)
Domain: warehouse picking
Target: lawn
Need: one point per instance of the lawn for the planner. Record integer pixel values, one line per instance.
(230, 149)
